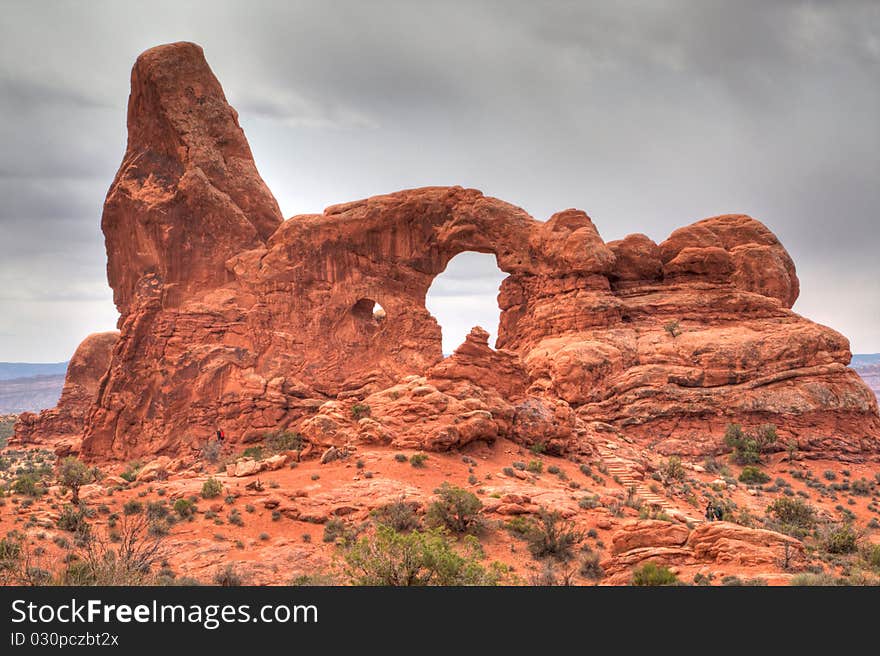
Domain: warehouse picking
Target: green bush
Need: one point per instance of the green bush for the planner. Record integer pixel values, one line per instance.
(133, 507)
(871, 557)
(255, 452)
(418, 459)
(552, 536)
(399, 457)
(748, 447)
(360, 410)
(650, 574)
(10, 553)
(284, 441)
(417, 558)
(339, 531)
(457, 509)
(672, 469)
(184, 507)
(398, 515)
(538, 448)
(212, 489)
(535, 466)
(840, 539)
(28, 485)
(792, 516)
(73, 474)
(72, 519)
(752, 475)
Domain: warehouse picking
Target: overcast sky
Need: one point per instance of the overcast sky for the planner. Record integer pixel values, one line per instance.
(648, 115)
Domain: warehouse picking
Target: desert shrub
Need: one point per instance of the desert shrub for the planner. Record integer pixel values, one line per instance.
(792, 516)
(748, 447)
(589, 501)
(673, 328)
(131, 471)
(73, 474)
(234, 517)
(184, 507)
(227, 577)
(212, 488)
(255, 452)
(812, 579)
(339, 531)
(752, 475)
(132, 507)
(399, 457)
(360, 410)
(398, 515)
(651, 574)
(519, 465)
(320, 579)
(125, 556)
(535, 466)
(28, 485)
(585, 470)
(840, 539)
(157, 510)
(862, 487)
(10, 554)
(733, 580)
(553, 537)
(211, 452)
(72, 519)
(418, 459)
(589, 566)
(870, 555)
(553, 469)
(538, 448)
(519, 526)
(284, 441)
(418, 558)
(672, 469)
(457, 509)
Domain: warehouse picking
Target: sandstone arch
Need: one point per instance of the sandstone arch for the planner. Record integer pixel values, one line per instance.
(230, 316)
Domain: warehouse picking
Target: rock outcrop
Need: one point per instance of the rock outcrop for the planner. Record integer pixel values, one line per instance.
(85, 371)
(716, 543)
(233, 319)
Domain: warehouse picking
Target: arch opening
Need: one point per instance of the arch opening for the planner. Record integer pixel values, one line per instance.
(464, 295)
(366, 309)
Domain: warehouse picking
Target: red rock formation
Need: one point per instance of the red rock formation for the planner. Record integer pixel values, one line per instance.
(232, 320)
(68, 419)
(716, 543)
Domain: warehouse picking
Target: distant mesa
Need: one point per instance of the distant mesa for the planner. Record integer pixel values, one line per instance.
(233, 317)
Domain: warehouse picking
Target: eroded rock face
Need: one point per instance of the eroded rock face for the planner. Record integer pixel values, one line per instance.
(233, 319)
(715, 543)
(85, 371)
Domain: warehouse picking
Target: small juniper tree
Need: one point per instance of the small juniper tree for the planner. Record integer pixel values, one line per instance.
(73, 474)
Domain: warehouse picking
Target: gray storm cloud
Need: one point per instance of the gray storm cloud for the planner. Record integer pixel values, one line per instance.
(646, 115)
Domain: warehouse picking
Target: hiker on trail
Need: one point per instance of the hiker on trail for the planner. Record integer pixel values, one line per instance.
(719, 513)
(710, 512)
(220, 436)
